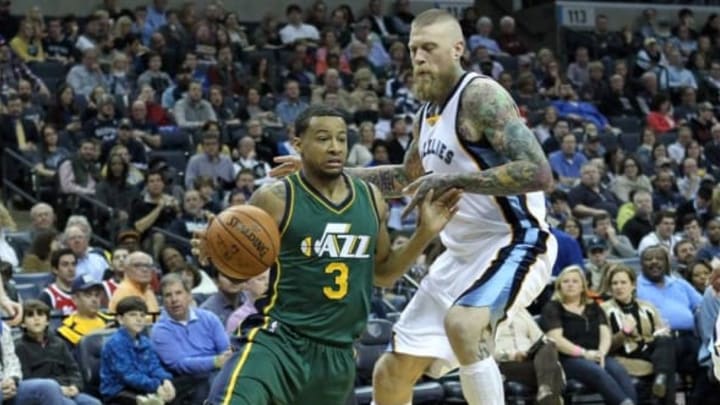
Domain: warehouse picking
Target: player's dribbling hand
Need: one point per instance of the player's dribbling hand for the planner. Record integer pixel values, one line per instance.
(439, 183)
(289, 164)
(435, 213)
(197, 243)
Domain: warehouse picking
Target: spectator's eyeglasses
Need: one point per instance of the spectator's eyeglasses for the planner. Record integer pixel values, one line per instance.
(143, 266)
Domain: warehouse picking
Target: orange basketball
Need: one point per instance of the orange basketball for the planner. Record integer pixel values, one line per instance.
(242, 241)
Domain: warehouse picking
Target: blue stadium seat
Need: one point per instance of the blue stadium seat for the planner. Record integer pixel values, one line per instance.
(89, 351)
(27, 291)
(630, 141)
(41, 280)
(627, 124)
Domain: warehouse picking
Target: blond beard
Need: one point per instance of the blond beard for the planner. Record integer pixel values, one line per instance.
(425, 89)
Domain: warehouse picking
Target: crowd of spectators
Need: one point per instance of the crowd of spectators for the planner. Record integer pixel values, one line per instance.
(132, 125)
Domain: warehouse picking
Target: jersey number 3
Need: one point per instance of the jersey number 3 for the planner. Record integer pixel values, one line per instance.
(340, 287)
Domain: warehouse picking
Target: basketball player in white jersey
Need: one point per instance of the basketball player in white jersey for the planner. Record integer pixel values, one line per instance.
(500, 252)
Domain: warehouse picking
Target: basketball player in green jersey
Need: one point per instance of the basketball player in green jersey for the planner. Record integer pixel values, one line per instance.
(334, 246)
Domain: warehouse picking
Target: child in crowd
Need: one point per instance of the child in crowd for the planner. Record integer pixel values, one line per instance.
(44, 356)
(130, 370)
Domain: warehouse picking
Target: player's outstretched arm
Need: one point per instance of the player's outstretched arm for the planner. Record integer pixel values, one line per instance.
(390, 179)
(488, 112)
(435, 213)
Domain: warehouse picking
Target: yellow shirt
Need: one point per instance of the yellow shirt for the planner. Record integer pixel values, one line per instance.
(129, 288)
(22, 49)
(74, 327)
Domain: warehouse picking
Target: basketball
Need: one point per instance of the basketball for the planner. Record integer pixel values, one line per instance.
(242, 241)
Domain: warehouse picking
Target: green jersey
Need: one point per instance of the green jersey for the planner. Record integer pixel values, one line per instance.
(321, 284)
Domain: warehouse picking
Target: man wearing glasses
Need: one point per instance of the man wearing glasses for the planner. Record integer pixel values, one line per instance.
(138, 275)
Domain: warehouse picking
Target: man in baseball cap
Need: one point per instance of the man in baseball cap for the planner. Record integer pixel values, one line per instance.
(86, 293)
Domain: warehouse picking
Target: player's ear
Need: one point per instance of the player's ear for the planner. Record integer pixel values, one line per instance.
(459, 50)
(297, 143)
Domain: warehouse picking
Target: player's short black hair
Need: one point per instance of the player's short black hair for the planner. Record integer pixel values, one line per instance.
(302, 123)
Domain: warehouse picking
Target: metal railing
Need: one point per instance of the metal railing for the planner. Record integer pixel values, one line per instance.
(11, 156)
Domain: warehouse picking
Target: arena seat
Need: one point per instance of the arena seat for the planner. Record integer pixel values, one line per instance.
(369, 347)
(627, 124)
(27, 291)
(41, 280)
(88, 352)
(630, 141)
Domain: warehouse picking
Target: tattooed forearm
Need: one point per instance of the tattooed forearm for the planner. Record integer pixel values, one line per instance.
(389, 179)
(489, 112)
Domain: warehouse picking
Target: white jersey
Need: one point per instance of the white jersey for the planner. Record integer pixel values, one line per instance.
(479, 216)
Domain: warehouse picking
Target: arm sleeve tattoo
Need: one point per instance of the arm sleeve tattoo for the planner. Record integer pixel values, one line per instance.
(487, 111)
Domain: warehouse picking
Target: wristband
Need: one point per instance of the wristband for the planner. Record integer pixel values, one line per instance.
(578, 351)
(627, 330)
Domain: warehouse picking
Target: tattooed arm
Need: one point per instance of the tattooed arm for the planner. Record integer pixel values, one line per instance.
(392, 179)
(488, 112)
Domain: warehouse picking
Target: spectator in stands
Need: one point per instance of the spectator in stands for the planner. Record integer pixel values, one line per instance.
(675, 76)
(58, 295)
(192, 111)
(36, 259)
(42, 217)
(596, 87)
(684, 252)
(381, 25)
(12, 70)
(558, 208)
(572, 227)
(590, 198)
(630, 178)
(193, 217)
(597, 265)
(246, 158)
(676, 150)
(703, 124)
(210, 163)
(618, 101)
(115, 190)
(366, 45)
(359, 154)
(578, 71)
(689, 184)
(331, 83)
(190, 342)
(664, 196)
(569, 107)
(580, 330)
(104, 126)
(687, 109)
(139, 268)
(57, 45)
(567, 161)
(560, 129)
(252, 290)
(544, 129)
(154, 208)
(157, 78)
(641, 341)
(712, 249)
(648, 92)
(114, 275)
(660, 116)
(677, 302)
(87, 294)
(619, 245)
(210, 193)
(84, 77)
(649, 57)
(296, 30)
(291, 105)
(90, 261)
(227, 299)
(483, 37)
(130, 370)
(663, 235)
(126, 138)
(226, 73)
(508, 39)
(156, 18)
(27, 44)
(44, 356)
(698, 274)
(399, 140)
(18, 134)
(525, 355)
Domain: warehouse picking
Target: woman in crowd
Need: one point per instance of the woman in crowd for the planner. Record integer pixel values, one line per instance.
(630, 177)
(543, 130)
(360, 154)
(660, 118)
(640, 339)
(698, 274)
(573, 227)
(580, 330)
